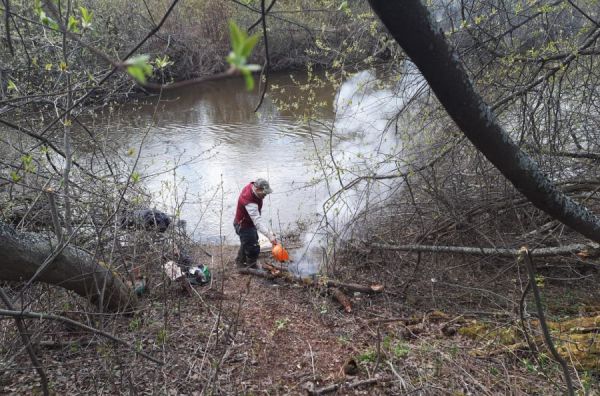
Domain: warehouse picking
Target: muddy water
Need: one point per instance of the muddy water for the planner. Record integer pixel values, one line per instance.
(203, 144)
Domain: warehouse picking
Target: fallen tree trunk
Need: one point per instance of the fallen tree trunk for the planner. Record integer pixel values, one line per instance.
(582, 250)
(23, 254)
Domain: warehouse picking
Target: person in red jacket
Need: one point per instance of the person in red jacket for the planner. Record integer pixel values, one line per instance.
(248, 221)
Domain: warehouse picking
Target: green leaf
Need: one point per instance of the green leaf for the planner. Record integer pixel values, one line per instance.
(26, 159)
(248, 45)
(235, 60)
(15, 176)
(242, 47)
(135, 177)
(139, 68)
(73, 23)
(249, 79)
(44, 18)
(86, 18)
(237, 37)
(11, 86)
(343, 6)
(137, 73)
(163, 62)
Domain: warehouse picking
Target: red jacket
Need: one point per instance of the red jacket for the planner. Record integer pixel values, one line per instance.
(241, 214)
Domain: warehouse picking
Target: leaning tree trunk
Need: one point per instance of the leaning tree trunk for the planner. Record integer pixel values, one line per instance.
(22, 255)
(411, 25)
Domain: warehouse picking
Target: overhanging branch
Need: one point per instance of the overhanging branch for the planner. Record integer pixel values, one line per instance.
(414, 29)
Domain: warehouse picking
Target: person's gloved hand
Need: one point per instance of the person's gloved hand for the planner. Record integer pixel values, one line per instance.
(273, 239)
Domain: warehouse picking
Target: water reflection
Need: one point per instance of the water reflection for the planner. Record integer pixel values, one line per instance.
(214, 143)
(219, 144)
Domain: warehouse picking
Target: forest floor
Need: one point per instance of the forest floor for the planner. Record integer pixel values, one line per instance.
(248, 335)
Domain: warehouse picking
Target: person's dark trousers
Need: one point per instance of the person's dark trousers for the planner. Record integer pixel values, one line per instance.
(249, 247)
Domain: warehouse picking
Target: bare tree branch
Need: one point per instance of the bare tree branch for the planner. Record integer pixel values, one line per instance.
(413, 28)
(27, 343)
(524, 254)
(41, 316)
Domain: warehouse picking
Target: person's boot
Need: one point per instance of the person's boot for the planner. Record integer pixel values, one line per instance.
(252, 263)
(240, 260)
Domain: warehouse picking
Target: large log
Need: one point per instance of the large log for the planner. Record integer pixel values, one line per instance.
(22, 254)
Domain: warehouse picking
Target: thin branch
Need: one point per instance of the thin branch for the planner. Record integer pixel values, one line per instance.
(531, 344)
(265, 70)
(42, 316)
(114, 69)
(567, 154)
(27, 343)
(263, 15)
(44, 141)
(7, 26)
(180, 84)
(591, 40)
(54, 213)
(525, 255)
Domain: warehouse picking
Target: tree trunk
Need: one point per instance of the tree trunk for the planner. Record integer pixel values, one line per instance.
(22, 254)
(414, 29)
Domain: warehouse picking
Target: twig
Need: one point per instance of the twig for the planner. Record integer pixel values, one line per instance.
(378, 348)
(27, 343)
(312, 361)
(41, 316)
(265, 70)
(526, 256)
(262, 16)
(114, 69)
(54, 213)
(532, 345)
(7, 26)
(352, 385)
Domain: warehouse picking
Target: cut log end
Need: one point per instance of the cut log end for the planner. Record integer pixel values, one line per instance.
(342, 299)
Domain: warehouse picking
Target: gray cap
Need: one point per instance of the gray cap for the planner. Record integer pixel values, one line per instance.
(263, 184)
